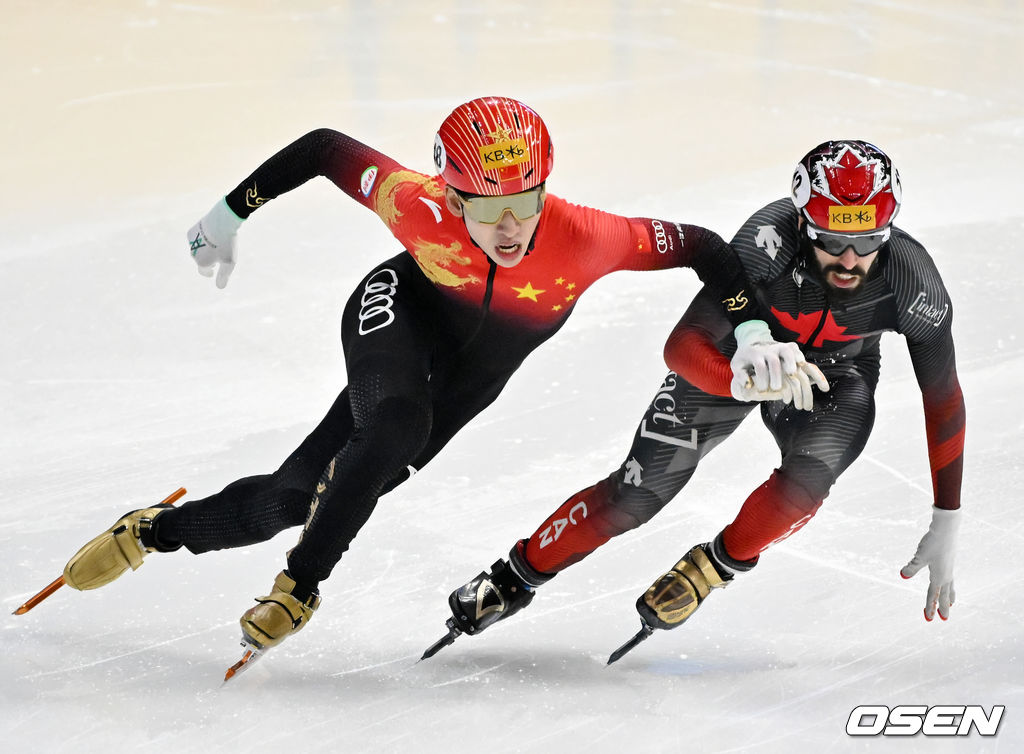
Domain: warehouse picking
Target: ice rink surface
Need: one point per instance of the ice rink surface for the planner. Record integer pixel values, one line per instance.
(124, 374)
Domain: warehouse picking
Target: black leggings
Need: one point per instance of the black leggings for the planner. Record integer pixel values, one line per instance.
(412, 387)
(681, 426)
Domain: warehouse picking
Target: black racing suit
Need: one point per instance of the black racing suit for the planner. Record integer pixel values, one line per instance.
(693, 410)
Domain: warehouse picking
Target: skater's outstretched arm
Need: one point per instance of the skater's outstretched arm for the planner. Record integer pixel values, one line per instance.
(351, 165)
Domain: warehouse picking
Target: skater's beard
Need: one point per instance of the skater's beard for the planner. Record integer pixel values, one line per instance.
(820, 273)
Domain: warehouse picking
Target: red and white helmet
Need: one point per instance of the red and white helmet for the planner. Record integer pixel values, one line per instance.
(493, 146)
(838, 176)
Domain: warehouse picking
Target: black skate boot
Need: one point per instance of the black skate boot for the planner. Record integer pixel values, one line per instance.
(490, 597)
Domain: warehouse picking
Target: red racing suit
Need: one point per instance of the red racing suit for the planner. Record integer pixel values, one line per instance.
(573, 246)
(430, 336)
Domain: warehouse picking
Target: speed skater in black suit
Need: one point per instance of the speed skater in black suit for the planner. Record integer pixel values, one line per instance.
(826, 270)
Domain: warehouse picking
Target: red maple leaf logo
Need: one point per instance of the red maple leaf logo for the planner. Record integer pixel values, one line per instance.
(804, 326)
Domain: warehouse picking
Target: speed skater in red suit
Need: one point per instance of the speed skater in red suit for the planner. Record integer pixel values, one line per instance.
(491, 267)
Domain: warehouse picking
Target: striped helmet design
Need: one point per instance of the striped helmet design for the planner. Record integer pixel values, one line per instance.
(493, 146)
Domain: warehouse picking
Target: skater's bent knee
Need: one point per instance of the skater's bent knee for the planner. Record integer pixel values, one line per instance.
(630, 507)
(397, 426)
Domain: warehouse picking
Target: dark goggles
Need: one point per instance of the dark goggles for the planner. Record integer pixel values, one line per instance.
(489, 209)
(834, 244)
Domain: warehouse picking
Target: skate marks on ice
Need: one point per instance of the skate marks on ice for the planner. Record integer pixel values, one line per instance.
(406, 660)
(121, 655)
(470, 676)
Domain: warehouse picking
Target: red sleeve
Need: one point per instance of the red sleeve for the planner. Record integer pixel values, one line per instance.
(933, 356)
(693, 355)
(692, 348)
(663, 244)
(945, 417)
(613, 242)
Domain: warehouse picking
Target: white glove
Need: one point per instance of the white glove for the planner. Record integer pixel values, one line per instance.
(936, 550)
(212, 241)
(766, 370)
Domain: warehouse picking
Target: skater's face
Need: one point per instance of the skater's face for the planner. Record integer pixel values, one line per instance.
(845, 272)
(501, 226)
(844, 266)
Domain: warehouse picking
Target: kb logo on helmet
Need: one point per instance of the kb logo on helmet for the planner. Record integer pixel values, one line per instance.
(852, 219)
(504, 154)
(378, 298)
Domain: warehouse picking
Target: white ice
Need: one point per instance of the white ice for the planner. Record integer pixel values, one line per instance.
(124, 374)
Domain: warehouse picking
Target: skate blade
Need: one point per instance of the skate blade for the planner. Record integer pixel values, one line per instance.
(444, 641)
(45, 592)
(249, 657)
(57, 583)
(641, 635)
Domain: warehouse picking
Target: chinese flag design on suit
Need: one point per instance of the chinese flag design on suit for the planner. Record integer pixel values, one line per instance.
(574, 246)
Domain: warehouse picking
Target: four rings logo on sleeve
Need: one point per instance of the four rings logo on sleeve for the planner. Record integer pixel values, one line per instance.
(378, 298)
(911, 719)
(661, 239)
